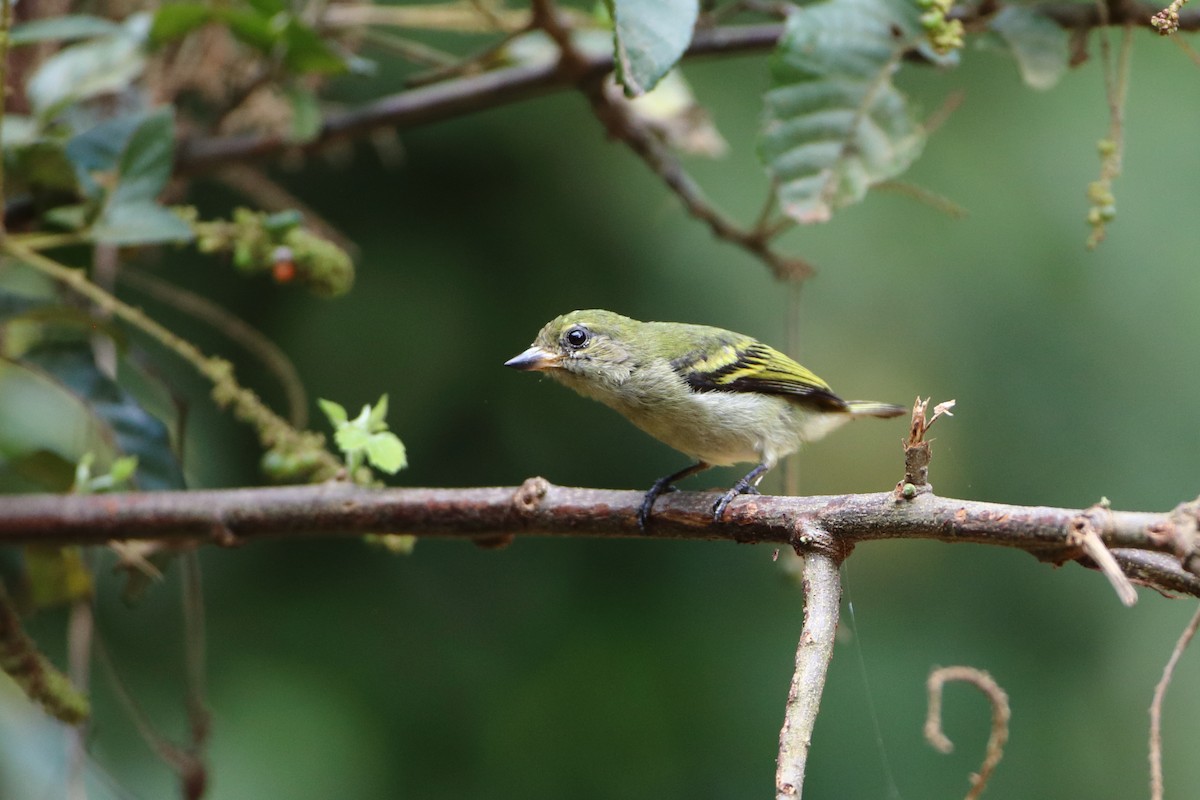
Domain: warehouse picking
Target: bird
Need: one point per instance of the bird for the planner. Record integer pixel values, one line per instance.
(717, 396)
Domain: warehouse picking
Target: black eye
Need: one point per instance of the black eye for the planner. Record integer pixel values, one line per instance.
(577, 337)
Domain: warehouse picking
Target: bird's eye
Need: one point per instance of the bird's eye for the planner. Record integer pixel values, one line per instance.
(577, 337)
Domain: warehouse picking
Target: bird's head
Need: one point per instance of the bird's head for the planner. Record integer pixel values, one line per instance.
(584, 349)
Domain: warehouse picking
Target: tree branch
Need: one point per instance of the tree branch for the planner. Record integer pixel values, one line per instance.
(822, 602)
(452, 98)
(501, 87)
(539, 508)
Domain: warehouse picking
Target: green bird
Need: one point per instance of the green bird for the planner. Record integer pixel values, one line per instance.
(717, 396)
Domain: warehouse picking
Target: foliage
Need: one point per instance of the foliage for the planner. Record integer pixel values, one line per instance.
(366, 438)
(110, 116)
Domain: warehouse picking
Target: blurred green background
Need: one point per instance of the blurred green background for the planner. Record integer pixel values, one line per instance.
(643, 669)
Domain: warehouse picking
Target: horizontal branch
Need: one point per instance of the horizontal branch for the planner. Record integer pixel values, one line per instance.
(451, 98)
(539, 508)
(501, 87)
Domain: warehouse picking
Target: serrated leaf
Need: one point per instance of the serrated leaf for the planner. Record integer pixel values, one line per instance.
(335, 412)
(71, 26)
(834, 124)
(385, 451)
(649, 37)
(350, 438)
(1040, 46)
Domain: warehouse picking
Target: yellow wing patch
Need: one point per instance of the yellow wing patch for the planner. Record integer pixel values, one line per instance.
(751, 366)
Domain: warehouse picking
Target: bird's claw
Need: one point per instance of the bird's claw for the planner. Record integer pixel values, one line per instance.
(727, 498)
(656, 491)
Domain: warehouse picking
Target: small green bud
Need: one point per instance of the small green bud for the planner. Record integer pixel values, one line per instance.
(932, 20)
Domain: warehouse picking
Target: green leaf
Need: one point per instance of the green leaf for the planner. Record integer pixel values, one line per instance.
(1040, 46)
(385, 451)
(268, 8)
(378, 419)
(306, 114)
(71, 26)
(350, 438)
(148, 158)
(103, 65)
(649, 36)
(308, 53)
(39, 414)
(131, 214)
(140, 222)
(335, 412)
(175, 20)
(123, 469)
(252, 28)
(126, 428)
(834, 125)
(99, 149)
(56, 576)
(40, 165)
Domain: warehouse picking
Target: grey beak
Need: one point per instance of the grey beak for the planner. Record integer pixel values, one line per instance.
(534, 358)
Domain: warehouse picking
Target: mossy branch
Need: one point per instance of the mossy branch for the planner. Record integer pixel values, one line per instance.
(274, 433)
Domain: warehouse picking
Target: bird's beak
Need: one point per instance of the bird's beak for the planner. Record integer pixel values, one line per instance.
(535, 358)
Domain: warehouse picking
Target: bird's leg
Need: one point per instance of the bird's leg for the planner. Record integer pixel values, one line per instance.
(663, 486)
(747, 485)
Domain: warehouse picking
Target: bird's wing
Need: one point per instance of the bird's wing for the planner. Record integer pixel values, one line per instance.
(751, 366)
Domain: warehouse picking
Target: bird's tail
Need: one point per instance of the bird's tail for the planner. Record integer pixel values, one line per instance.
(866, 408)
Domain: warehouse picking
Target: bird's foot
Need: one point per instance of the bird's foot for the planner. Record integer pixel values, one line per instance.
(727, 498)
(659, 488)
(746, 485)
(664, 486)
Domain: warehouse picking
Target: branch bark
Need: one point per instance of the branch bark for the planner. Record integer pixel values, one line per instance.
(539, 508)
(822, 602)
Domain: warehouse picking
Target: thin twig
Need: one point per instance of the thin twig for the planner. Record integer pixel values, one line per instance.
(617, 117)
(273, 430)
(171, 754)
(452, 17)
(1085, 532)
(1000, 718)
(254, 341)
(269, 195)
(822, 600)
(471, 64)
(81, 630)
(195, 659)
(466, 95)
(410, 49)
(1160, 693)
